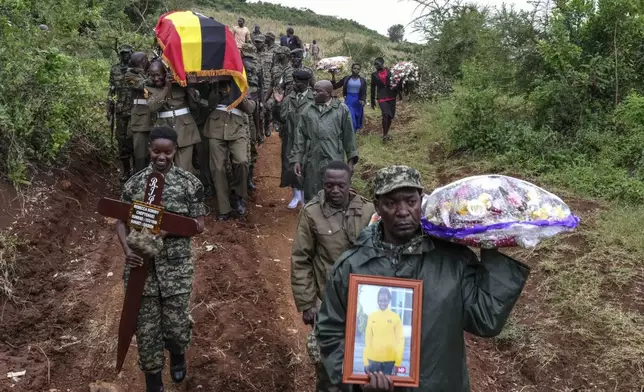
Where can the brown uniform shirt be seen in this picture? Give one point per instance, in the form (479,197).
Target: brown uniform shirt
(322,235)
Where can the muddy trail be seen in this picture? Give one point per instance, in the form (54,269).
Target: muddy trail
(62,326)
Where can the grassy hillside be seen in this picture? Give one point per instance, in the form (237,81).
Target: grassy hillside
(298,18)
(335,38)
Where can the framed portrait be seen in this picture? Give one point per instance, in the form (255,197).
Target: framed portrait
(383,329)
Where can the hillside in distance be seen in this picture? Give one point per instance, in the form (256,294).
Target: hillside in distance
(296,17)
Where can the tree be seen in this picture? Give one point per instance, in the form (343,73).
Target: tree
(396,33)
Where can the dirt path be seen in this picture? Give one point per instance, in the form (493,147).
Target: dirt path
(63,328)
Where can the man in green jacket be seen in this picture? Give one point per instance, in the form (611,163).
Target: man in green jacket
(324,134)
(288,114)
(327,226)
(460,293)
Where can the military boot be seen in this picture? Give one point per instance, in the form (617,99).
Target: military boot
(177,367)
(251,185)
(154,382)
(127,170)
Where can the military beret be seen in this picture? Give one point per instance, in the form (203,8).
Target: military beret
(125,48)
(270,34)
(259,38)
(302,74)
(395,177)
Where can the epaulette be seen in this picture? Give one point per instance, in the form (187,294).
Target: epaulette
(313,201)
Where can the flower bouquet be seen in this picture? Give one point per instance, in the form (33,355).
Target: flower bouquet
(339,63)
(494,211)
(403,72)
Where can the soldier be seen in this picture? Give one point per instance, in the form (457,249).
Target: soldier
(164,318)
(266,55)
(258,41)
(171,103)
(255,85)
(463,292)
(119,109)
(296,62)
(281,79)
(201,155)
(289,110)
(141,120)
(228,134)
(324,134)
(327,226)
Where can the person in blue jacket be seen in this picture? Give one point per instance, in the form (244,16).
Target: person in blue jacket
(354,91)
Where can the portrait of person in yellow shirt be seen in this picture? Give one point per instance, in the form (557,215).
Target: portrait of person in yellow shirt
(384,338)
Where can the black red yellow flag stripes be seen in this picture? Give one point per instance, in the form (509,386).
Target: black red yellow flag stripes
(194,44)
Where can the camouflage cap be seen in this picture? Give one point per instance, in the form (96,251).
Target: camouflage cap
(394,177)
(259,38)
(248,48)
(125,48)
(284,50)
(271,35)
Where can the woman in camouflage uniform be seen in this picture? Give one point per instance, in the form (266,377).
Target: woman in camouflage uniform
(164,318)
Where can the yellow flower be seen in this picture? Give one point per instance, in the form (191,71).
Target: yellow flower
(462,208)
(476,208)
(541,213)
(486,199)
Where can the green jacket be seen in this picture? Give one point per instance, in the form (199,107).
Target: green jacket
(172,273)
(324,133)
(460,293)
(289,110)
(322,235)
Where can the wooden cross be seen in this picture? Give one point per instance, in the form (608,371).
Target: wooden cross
(148,214)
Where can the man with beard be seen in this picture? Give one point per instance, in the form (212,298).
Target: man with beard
(324,134)
(327,226)
(460,292)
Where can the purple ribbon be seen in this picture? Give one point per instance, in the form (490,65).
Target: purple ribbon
(447,232)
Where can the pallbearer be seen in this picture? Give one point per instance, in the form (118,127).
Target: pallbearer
(171,103)
(164,320)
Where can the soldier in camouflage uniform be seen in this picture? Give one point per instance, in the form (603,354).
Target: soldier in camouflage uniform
(281,81)
(141,121)
(164,318)
(266,55)
(120,105)
(255,87)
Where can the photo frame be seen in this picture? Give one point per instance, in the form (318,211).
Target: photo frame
(383,329)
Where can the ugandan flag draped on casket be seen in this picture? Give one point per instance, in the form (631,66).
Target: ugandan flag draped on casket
(194,44)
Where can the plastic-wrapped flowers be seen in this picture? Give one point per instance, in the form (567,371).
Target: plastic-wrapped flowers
(403,72)
(493,211)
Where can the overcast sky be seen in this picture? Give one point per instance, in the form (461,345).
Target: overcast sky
(376,14)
